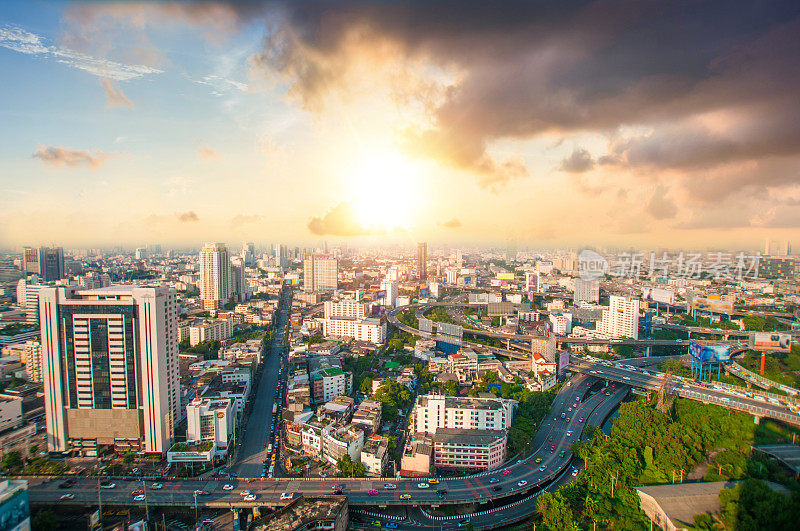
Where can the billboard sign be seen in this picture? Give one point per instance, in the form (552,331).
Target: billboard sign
(771,340)
(659,295)
(709,353)
(563,361)
(380,294)
(712,304)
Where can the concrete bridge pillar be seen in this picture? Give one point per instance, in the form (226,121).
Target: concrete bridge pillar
(647,351)
(756,419)
(689,334)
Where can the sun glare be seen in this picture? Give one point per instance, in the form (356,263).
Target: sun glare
(385,186)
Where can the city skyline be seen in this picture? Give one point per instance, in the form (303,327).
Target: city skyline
(603,123)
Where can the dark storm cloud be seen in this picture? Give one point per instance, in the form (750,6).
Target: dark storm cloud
(578,162)
(536,67)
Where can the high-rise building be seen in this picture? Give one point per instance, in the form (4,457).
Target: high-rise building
(140,253)
(238,285)
(47,262)
(587,290)
(621,319)
(422,260)
(390,287)
(249,254)
(28,297)
(320,273)
(110,367)
(215,276)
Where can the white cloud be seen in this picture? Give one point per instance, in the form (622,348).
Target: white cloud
(22,41)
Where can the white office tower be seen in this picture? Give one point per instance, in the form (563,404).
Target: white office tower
(390,287)
(587,290)
(320,273)
(621,319)
(215,276)
(28,297)
(110,368)
(238,285)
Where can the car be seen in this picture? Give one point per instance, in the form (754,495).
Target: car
(422,486)
(390,525)
(538,460)
(245,493)
(250,497)
(107,485)
(140,497)
(574,472)
(626,378)
(522,483)
(561,453)
(233,475)
(376,523)
(497,488)
(135,470)
(157,486)
(506,472)
(542,468)
(405,496)
(137,492)
(494,480)
(227,486)
(580,419)
(569,433)
(433,481)
(338,486)
(287,495)
(553,448)
(67,496)
(201,493)
(563,415)
(463,521)
(390,486)
(569,409)
(372,492)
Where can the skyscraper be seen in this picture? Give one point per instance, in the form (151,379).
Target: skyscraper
(47,262)
(238,286)
(215,276)
(422,260)
(110,367)
(320,273)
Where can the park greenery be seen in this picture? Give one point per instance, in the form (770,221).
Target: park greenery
(349,468)
(781,367)
(207,349)
(393,397)
(647,446)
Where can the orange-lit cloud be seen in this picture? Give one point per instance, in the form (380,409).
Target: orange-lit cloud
(114,95)
(65,157)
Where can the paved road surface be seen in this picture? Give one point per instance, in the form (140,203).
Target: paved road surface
(250,456)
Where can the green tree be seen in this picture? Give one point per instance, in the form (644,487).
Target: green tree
(12,461)
(366,385)
(128,458)
(451,388)
(556,513)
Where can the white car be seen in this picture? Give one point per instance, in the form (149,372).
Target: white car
(227,486)
(625,378)
(67,496)
(522,483)
(156,486)
(245,493)
(569,433)
(250,497)
(108,486)
(287,495)
(140,497)
(574,472)
(422,486)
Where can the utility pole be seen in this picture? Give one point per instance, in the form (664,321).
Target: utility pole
(100,502)
(146,508)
